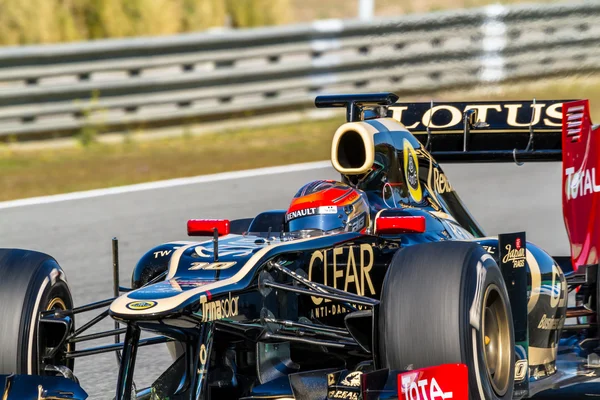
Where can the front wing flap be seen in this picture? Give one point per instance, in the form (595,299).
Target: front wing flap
(19,387)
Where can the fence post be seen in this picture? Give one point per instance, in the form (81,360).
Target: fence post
(366,9)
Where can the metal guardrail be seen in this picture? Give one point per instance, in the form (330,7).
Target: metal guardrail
(114,84)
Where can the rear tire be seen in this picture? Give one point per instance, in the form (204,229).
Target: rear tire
(443,303)
(31,282)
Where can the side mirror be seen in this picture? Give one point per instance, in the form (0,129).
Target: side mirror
(399,224)
(206,227)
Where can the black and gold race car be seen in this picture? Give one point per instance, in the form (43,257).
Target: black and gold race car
(379,286)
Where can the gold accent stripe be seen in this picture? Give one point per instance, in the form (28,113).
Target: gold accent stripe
(536,281)
(174,260)
(119,305)
(392,125)
(541,355)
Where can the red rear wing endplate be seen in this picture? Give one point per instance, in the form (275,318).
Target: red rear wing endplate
(580,187)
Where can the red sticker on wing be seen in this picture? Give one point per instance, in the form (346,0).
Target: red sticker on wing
(449,381)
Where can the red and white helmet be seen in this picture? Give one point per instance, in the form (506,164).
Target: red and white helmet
(328,206)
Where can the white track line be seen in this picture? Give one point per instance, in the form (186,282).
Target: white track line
(165,184)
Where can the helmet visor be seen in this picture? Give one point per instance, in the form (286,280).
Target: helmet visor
(324,222)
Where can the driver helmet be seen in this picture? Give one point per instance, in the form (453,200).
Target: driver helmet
(328,206)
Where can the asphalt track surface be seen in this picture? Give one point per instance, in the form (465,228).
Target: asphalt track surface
(78,232)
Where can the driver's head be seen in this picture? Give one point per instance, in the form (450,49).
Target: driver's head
(328,206)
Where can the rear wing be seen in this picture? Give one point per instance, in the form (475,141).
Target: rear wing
(485,131)
(507,131)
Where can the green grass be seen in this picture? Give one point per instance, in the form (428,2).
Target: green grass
(34,173)
(308,10)
(50,21)
(43,172)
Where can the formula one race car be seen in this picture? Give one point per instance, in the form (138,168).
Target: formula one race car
(380,286)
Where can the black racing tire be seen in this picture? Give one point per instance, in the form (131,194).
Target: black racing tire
(30,282)
(437,300)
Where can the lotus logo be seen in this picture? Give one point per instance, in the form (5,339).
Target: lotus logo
(411,171)
(141,305)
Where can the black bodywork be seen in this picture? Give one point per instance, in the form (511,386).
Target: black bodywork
(261,314)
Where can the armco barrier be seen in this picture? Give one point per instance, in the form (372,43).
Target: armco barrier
(45,90)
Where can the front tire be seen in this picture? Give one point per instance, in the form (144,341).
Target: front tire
(446,302)
(30,282)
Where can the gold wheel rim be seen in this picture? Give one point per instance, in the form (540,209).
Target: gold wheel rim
(495,336)
(56,304)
